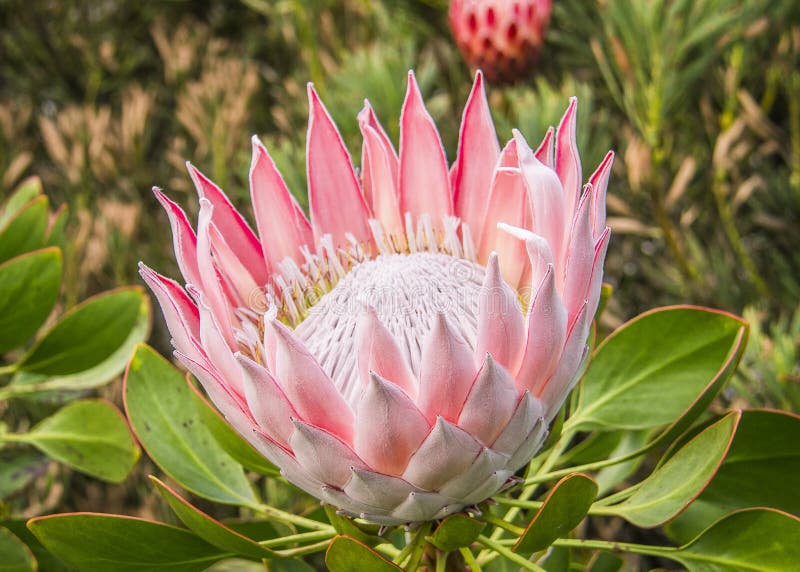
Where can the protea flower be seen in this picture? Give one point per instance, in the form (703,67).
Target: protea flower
(500,36)
(400,354)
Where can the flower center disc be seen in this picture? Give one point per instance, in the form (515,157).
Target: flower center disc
(407,292)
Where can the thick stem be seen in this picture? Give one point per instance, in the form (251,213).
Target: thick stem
(508,554)
(289,518)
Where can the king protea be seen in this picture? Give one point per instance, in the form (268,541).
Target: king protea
(399,353)
(502,37)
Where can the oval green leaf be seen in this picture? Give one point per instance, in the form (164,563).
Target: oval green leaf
(25,192)
(564,508)
(209,529)
(87,335)
(25,231)
(754,539)
(230,440)
(674,485)
(30,285)
(90,436)
(346,554)
(669,356)
(33,385)
(761,469)
(14,555)
(163,414)
(456,531)
(111,543)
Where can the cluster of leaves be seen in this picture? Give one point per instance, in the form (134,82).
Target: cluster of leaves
(721,486)
(54,359)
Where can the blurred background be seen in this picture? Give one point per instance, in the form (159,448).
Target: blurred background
(699,99)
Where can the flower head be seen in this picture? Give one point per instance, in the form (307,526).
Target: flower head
(400,354)
(501,37)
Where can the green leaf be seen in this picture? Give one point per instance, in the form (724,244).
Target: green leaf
(30,285)
(346,554)
(229,439)
(25,192)
(57,227)
(18,468)
(610,477)
(112,543)
(47,562)
(761,469)
(87,335)
(606,562)
(25,231)
(677,357)
(16,557)
(456,531)
(210,530)
(564,508)
(750,539)
(163,414)
(25,384)
(675,484)
(90,436)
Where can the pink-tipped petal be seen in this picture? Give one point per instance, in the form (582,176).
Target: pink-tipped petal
(376,489)
(335,200)
(446,373)
(547,197)
(210,281)
(555,391)
(282,226)
(389,427)
(580,255)
(267,402)
(547,330)
(490,404)
(424,178)
(509,203)
(508,156)
(233,270)
(180,313)
(501,328)
(545,151)
(526,416)
(446,452)
(596,281)
(379,182)
(217,350)
(378,352)
(308,388)
(184,239)
(232,225)
(478,152)
(599,182)
(367,118)
(323,455)
(568,161)
(539,254)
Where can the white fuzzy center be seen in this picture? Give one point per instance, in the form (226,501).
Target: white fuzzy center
(407,292)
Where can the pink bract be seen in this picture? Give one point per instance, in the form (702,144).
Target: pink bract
(400,355)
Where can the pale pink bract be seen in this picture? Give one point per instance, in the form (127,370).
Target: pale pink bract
(400,355)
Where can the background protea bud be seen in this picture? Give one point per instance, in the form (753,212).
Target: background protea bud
(400,354)
(501,37)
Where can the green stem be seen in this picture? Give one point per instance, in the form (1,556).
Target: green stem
(308,549)
(507,554)
(289,518)
(418,547)
(596,510)
(388,549)
(299,538)
(615,546)
(499,522)
(618,496)
(441,561)
(469,558)
(8,369)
